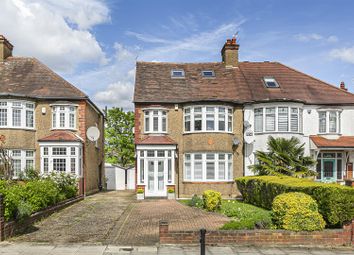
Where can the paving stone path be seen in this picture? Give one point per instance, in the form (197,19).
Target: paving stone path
(140,223)
(88,221)
(117,218)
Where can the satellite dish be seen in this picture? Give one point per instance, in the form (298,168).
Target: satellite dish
(247,124)
(93,133)
(235,141)
(248,137)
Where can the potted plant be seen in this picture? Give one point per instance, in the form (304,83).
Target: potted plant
(140,194)
(171,193)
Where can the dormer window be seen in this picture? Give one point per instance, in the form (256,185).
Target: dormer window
(208,73)
(177,73)
(270,82)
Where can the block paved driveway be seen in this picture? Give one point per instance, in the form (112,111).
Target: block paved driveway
(116,218)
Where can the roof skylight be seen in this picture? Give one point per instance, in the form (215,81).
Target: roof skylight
(270,82)
(208,73)
(177,73)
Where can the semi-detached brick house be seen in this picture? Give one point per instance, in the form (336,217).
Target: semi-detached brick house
(44,119)
(197,125)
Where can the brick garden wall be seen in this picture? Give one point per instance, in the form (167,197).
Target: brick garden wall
(328,237)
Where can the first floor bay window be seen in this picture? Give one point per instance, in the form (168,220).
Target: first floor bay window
(208,119)
(278,119)
(61,158)
(16,114)
(208,167)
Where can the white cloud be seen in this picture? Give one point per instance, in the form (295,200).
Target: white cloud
(344,54)
(56,32)
(117,94)
(315,37)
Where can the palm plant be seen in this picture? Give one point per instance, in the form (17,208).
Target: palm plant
(284,157)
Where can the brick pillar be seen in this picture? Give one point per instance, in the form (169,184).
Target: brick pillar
(2,218)
(163,228)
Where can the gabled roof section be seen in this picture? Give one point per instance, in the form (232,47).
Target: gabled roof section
(29,77)
(242,84)
(61,136)
(156,140)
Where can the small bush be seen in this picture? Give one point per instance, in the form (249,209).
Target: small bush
(14,195)
(171,190)
(140,191)
(65,183)
(245,216)
(29,174)
(296,211)
(335,202)
(212,200)
(196,201)
(24,210)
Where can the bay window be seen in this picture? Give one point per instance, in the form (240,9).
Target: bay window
(208,167)
(64,117)
(277,119)
(21,160)
(329,121)
(155,121)
(61,158)
(16,114)
(208,119)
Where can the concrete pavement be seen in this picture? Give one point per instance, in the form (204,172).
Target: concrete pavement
(9,248)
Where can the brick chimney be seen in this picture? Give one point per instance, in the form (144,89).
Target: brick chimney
(5,48)
(229,53)
(342,86)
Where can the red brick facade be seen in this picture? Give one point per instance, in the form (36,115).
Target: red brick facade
(328,237)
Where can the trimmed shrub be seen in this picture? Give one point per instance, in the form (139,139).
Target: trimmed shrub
(296,211)
(65,183)
(196,202)
(335,202)
(212,200)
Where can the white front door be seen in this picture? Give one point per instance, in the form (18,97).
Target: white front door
(156,185)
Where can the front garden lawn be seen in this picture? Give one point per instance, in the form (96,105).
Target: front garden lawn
(242,215)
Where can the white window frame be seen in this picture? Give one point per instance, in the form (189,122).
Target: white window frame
(10,105)
(66,110)
(328,112)
(228,118)
(162,114)
(22,157)
(68,156)
(228,164)
(290,129)
(143,157)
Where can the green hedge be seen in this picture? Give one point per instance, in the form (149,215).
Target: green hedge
(24,198)
(335,202)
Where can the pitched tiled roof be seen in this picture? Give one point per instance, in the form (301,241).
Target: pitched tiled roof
(341,142)
(239,85)
(61,136)
(156,139)
(28,77)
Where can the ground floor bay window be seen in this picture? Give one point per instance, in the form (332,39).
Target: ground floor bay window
(208,167)
(61,158)
(155,168)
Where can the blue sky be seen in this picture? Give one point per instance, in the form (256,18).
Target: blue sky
(94,44)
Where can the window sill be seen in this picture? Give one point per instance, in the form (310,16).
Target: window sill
(278,132)
(18,128)
(155,133)
(208,132)
(208,182)
(63,129)
(329,133)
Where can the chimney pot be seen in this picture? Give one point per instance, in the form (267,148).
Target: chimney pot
(229,53)
(342,86)
(5,48)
